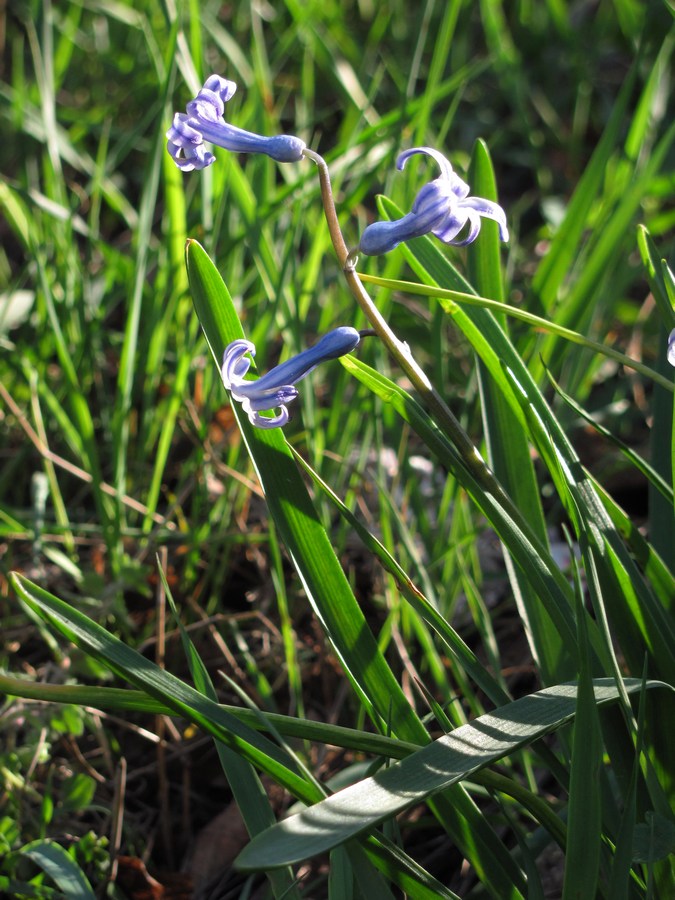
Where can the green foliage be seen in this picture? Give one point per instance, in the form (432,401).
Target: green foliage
(384,576)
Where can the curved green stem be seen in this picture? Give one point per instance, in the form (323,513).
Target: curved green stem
(444,416)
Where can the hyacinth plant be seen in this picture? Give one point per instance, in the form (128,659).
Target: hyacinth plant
(501,771)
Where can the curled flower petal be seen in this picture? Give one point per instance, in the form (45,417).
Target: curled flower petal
(204,121)
(489,210)
(443,163)
(671,348)
(276,389)
(442,207)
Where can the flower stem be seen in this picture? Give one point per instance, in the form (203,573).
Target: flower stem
(445,418)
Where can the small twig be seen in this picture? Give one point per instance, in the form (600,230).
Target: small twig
(160,658)
(118,818)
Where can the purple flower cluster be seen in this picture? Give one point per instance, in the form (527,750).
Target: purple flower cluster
(276,389)
(204,121)
(443,208)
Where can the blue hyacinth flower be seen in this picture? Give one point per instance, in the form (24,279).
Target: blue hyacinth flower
(276,389)
(442,208)
(204,122)
(671,348)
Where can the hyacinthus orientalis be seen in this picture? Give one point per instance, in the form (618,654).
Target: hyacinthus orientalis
(443,208)
(204,121)
(276,389)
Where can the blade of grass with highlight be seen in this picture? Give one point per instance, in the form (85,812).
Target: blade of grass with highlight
(662,284)
(650,473)
(508,447)
(446,761)
(127,373)
(626,607)
(509,525)
(584,823)
(452,300)
(185,701)
(554,267)
(299,527)
(459,650)
(583,296)
(126,700)
(639,621)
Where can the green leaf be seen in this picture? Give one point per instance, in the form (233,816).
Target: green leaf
(452,300)
(516,535)
(77,792)
(654,839)
(245,784)
(328,589)
(446,761)
(637,618)
(584,823)
(125,700)
(456,646)
(507,440)
(640,464)
(300,528)
(182,699)
(554,267)
(61,868)
(662,284)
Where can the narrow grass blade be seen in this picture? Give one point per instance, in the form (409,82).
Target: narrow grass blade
(662,284)
(657,573)
(583,295)
(650,473)
(463,655)
(451,300)
(507,441)
(300,528)
(584,823)
(660,278)
(127,373)
(415,881)
(564,247)
(126,700)
(514,532)
(639,622)
(639,609)
(244,781)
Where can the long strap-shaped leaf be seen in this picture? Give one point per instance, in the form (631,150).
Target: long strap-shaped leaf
(329,592)
(507,444)
(517,536)
(452,757)
(300,528)
(178,696)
